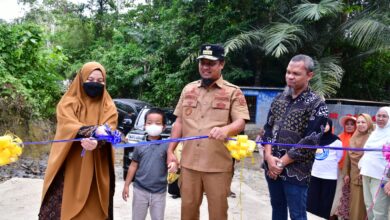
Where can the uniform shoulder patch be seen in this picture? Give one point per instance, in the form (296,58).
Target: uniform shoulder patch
(241,98)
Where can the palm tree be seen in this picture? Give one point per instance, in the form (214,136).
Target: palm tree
(309,29)
(369,26)
(328,76)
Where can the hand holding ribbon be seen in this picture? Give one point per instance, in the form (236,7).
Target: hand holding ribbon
(105,133)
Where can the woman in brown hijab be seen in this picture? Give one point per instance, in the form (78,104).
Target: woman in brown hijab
(77,187)
(351,171)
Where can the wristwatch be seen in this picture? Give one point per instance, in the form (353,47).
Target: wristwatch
(280,164)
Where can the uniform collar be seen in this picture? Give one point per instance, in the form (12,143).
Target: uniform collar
(218,82)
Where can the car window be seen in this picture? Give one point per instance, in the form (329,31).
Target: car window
(128,109)
(139,124)
(170,117)
(124,107)
(119,105)
(141,106)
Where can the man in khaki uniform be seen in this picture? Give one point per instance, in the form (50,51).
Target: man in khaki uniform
(214,107)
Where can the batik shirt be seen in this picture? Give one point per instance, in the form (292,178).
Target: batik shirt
(296,121)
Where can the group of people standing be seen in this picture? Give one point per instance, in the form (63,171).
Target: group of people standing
(355,190)
(345,184)
(82,187)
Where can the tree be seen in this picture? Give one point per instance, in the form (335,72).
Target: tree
(29,71)
(311,29)
(170,31)
(149,49)
(367,60)
(368,25)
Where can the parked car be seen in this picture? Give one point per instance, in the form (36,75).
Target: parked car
(128,110)
(138,134)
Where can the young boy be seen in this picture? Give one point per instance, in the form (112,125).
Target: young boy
(150,170)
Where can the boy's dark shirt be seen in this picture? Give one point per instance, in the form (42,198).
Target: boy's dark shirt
(151,174)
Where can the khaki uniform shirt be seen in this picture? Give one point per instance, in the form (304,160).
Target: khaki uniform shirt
(202,109)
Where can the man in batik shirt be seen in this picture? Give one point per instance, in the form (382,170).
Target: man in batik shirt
(297,116)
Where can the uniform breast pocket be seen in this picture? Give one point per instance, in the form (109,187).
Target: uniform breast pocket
(221,110)
(189,108)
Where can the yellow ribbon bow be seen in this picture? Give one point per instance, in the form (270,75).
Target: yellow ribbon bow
(241,147)
(10,148)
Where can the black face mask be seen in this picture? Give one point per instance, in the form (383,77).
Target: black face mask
(206,82)
(93,89)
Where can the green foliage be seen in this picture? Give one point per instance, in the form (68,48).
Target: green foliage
(304,28)
(314,11)
(284,38)
(29,73)
(327,77)
(238,75)
(124,63)
(149,50)
(368,26)
(253,38)
(370,79)
(167,33)
(14,95)
(368,32)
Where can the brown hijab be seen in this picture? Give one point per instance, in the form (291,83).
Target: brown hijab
(358,138)
(89,176)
